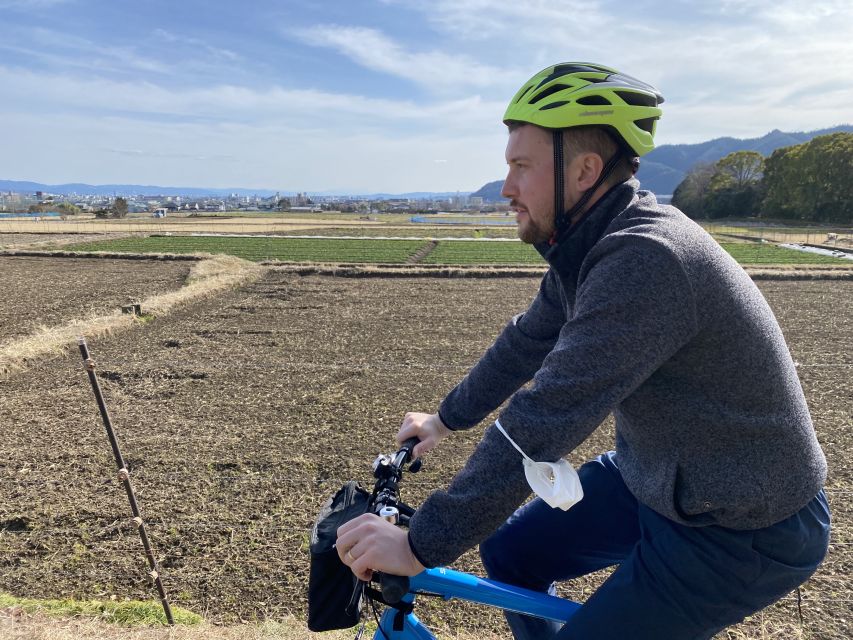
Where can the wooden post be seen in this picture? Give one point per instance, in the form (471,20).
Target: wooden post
(124,476)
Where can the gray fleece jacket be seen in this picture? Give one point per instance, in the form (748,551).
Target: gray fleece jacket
(643,315)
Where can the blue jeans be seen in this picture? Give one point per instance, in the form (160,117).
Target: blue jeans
(673,581)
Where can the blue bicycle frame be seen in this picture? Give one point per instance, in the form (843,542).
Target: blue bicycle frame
(449,584)
(444,582)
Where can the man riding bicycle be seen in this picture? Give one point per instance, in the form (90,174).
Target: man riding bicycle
(711,505)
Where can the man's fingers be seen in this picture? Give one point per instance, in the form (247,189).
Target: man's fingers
(406,431)
(348,533)
(422,448)
(361,566)
(349,554)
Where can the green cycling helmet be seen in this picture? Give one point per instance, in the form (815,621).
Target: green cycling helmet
(574,94)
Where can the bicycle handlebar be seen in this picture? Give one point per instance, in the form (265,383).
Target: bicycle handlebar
(393,587)
(388,471)
(404,453)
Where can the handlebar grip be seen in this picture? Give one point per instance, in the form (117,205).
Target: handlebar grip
(393,587)
(410,446)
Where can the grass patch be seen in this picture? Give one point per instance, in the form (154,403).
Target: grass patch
(473,252)
(125,613)
(763,253)
(419,231)
(759,229)
(257,249)
(379,251)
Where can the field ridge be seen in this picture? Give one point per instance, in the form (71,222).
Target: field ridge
(208,276)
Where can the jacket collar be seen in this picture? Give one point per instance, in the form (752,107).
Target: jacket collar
(568,253)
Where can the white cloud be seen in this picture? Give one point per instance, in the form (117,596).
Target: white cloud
(236,136)
(63,50)
(237,103)
(265,155)
(562,22)
(739,67)
(196,43)
(435,70)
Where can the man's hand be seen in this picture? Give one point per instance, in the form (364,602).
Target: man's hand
(369,543)
(426,427)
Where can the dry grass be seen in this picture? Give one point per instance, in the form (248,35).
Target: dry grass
(838,272)
(764,272)
(345,270)
(48,241)
(15,624)
(207,277)
(176,225)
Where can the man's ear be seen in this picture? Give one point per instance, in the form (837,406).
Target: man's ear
(590,167)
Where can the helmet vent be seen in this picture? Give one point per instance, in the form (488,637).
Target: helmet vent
(566,69)
(646,124)
(637,99)
(554,105)
(547,92)
(524,93)
(593,100)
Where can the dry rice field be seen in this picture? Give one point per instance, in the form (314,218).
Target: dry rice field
(239,414)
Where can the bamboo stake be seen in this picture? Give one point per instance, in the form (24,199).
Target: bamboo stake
(124,476)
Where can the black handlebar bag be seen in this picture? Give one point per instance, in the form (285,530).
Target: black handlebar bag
(333,589)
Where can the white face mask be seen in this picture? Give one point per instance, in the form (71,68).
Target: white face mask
(557,483)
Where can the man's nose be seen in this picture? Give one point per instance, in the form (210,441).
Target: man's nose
(508,189)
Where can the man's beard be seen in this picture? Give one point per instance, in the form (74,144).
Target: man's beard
(531,233)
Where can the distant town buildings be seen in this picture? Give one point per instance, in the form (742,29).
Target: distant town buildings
(301,202)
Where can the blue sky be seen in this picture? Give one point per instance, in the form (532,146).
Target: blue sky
(380,95)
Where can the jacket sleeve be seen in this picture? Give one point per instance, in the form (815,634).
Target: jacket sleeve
(510,362)
(634,309)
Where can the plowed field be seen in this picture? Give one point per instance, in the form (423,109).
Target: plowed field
(239,415)
(48,292)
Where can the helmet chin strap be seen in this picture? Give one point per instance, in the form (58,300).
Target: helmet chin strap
(563,218)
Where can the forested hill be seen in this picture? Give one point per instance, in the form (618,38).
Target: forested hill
(665,167)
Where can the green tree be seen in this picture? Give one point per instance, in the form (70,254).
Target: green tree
(730,187)
(691,194)
(119,209)
(68,209)
(811,181)
(739,170)
(735,189)
(830,162)
(781,184)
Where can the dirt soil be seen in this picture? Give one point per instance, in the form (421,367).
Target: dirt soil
(47,240)
(46,291)
(238,416)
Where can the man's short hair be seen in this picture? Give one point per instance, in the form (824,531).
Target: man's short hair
(593,139)
(598,140)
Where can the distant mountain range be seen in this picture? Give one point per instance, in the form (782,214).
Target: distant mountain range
(663,169)
(192,192)
(660,171)
(126,190)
